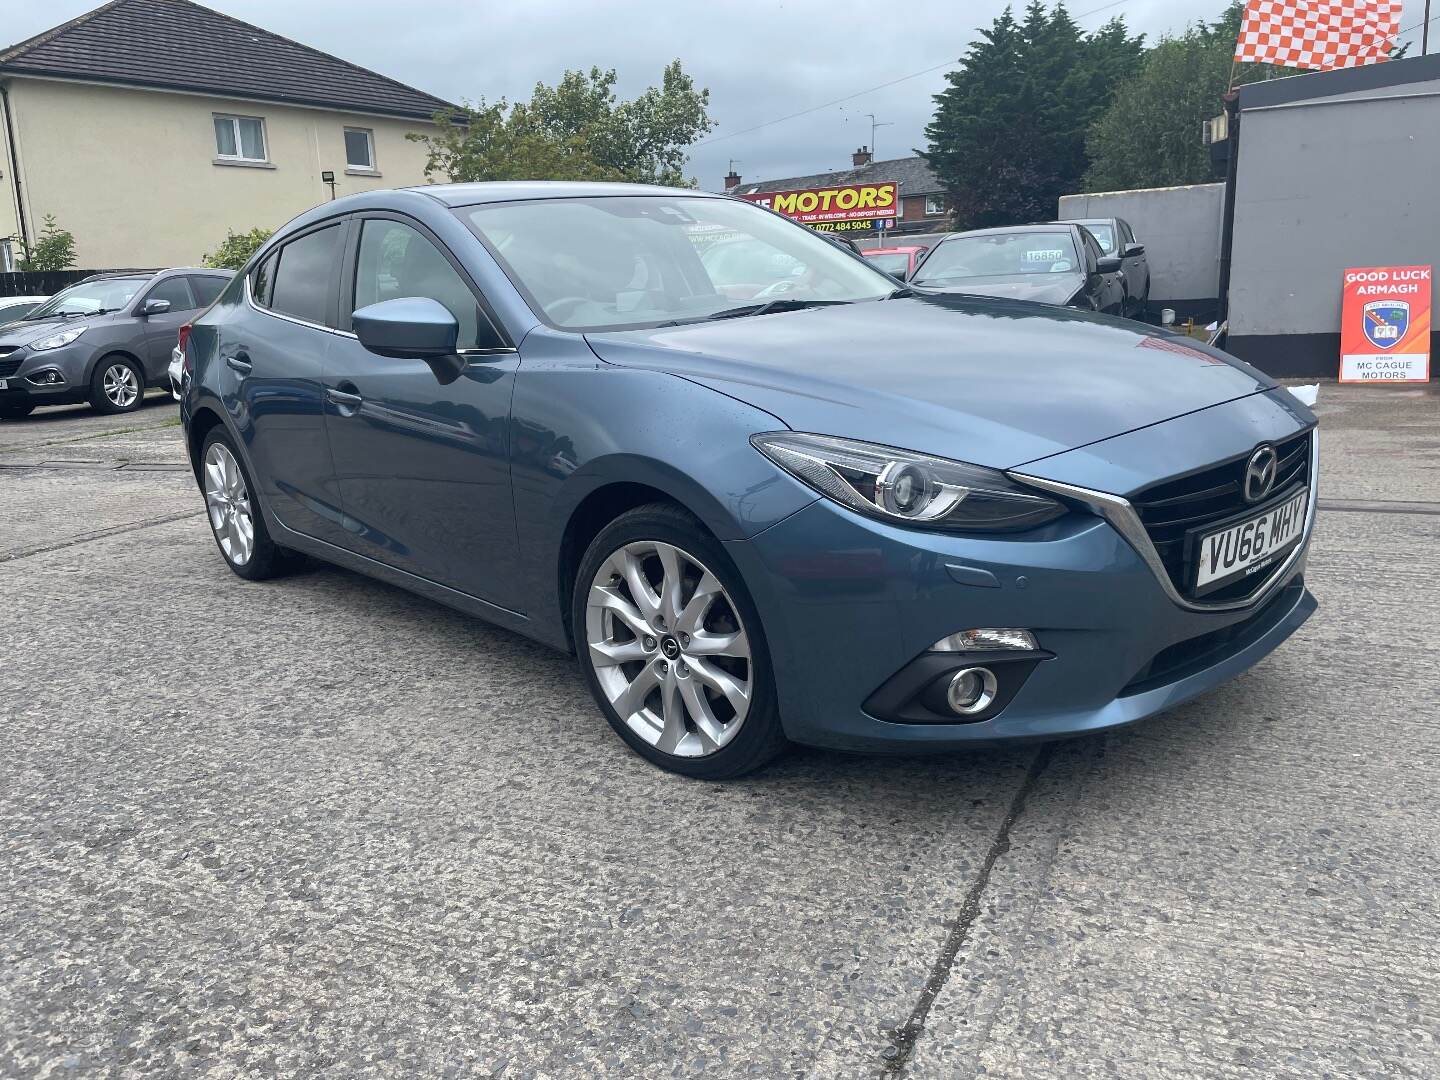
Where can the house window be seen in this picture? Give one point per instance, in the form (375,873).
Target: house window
(240,138)
(360,149)
(934,204)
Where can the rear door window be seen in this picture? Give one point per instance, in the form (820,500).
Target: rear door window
(304,278)
(206,289)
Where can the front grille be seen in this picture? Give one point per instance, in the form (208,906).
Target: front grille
(8,367)
(1172,509)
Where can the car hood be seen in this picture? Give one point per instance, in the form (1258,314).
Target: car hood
(1042,288)
(994,382)
(23,333)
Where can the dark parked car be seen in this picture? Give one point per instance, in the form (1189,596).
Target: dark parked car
(104,340)
(1115,237)
(1057,264)
(836,513)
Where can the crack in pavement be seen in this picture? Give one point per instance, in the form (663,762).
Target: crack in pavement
(897,1055)
(99,534)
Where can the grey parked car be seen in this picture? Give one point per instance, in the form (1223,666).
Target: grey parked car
(1117,239)
(103,340)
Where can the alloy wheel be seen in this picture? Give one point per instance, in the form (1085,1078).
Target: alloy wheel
(228,502)
(121,385)
(669,649)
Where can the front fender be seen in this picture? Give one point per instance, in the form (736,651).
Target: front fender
(579,424)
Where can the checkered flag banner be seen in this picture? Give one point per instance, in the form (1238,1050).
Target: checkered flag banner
(1317,34)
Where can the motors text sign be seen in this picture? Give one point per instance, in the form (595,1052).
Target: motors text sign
(849,202)
(1385,324)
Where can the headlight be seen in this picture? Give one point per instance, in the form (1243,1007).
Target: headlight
(909,488)
(56,341)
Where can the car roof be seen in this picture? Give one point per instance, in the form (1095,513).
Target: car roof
(5,301)
(904,249)
(1032,227)
(208,271)
(517,190)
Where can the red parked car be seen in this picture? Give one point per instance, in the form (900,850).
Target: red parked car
(898,262)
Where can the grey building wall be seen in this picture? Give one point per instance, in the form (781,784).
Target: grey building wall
(1326,183)
(1180,228)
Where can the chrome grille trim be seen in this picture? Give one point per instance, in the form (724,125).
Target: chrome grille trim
(1123,518)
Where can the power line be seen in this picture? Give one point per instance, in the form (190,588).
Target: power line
(872,89)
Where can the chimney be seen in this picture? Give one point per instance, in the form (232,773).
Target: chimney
(732,178)
(860,157)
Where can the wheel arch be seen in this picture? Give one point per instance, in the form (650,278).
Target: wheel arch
(102,356)
(597,509)
(202,421)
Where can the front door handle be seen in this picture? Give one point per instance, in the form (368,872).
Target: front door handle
(239,362)
(347,403)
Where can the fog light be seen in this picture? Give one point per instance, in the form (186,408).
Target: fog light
(971,690)
(47,377)
(988,638)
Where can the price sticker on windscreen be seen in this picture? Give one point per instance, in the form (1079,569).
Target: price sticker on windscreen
(1385,324)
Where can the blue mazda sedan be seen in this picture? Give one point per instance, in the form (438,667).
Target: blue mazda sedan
(762,493)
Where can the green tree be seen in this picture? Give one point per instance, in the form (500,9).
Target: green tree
(1008,135)
(577,129)
(1150,136)
(235,250)
(54,250)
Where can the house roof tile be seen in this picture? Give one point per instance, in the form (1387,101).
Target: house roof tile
(180,45)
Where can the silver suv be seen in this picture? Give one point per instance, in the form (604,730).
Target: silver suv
(103,340)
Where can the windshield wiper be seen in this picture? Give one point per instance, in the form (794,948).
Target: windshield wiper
(901,293)
(779,304)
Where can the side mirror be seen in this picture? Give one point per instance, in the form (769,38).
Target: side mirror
(1131,250)
(1109,264)
(412,328)
(155,307)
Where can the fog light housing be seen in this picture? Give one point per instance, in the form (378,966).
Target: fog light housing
(988,638)
(46,377)
(971,690)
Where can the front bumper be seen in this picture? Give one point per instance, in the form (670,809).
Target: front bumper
(847,603)
(70,363)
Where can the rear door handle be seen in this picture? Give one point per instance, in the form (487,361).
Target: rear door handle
(239,362)
(344,400)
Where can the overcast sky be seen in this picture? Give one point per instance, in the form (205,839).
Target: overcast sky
(760,61)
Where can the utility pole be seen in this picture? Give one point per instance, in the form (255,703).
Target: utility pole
(1425,32)
(877,124)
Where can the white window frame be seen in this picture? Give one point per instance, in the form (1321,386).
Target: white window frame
(239,155)
(373,169)
(934,205)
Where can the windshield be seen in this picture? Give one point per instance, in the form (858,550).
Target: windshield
(1104,236)
(637,260)
(88,297)
(999,255)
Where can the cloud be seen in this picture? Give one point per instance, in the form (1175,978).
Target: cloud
(760,61)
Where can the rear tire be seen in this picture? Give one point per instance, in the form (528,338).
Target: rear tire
(234,514)
(117,385)
(665,629)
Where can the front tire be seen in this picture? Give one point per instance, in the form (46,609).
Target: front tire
(117,386)
(672,648)
(234,515)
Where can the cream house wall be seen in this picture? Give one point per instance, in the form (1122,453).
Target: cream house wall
(132,172)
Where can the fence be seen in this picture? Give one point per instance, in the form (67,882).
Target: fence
(45,282)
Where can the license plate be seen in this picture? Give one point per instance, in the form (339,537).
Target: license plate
(1240,550)
(4,384)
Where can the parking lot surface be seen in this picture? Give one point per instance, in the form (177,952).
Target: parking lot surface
(321,827)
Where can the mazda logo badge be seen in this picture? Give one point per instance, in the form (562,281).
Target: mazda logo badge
(670,647)
(1260,474)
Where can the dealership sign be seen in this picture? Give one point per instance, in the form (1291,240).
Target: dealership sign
(1385,324)
(828,207)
